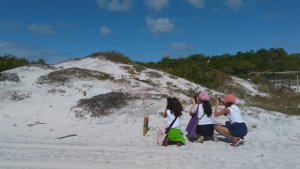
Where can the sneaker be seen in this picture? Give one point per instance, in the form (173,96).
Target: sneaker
(215,138)
(199,139)
(242,141)
(236,142)
(190,138)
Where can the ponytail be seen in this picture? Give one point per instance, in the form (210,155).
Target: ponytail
(207,108)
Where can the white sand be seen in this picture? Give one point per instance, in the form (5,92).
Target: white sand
(116,141)
(249,87)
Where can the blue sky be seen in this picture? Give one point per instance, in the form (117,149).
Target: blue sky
(146,30)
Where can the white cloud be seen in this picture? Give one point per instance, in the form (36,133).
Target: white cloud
(10,26)
(157,4)
(7,47)
(197,3)
(43,29)
(104,30)
(234,4)
(160,25)
(14,25)
(268,16)
(115,5)
(180,46)
(29,52)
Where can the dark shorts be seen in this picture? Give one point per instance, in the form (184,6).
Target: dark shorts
(238,129)
(205,130)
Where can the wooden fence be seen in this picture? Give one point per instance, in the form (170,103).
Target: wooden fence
(287,80)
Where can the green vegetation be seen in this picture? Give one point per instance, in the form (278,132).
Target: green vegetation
(195,68)
(9,62)
(280,100)
(112,56)
(272,60)
(214,71)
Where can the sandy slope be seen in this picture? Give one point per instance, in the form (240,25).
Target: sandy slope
(116,141)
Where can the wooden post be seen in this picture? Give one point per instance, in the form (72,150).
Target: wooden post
(290,82)
(297,83)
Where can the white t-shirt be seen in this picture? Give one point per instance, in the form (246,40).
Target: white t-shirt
(170,118)
(235,114)
(205,119)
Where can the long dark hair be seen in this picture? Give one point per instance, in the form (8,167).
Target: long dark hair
(207,108)
(174,106)
(228,104)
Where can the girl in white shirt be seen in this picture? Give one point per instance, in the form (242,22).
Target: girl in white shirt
(205,127)
(173,110)
(236,129)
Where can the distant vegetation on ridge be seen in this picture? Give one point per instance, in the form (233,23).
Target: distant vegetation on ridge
(213,72)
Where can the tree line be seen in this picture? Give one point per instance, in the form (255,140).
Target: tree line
(10,61)
(210,71)
(213,71)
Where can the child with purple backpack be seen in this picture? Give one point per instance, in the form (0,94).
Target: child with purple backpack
(201,125)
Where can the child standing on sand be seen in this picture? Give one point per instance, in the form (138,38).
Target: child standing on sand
(236,129)
(173,112)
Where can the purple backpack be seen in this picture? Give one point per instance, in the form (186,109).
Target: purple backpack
(192,125)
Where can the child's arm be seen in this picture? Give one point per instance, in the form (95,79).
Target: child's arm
(193,100)
(217,112)
(164,114)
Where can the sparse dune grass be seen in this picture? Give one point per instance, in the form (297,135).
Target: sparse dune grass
(42,66)
(138,68)
(104,104)
(135,69)
(280,100)
(153,74)
(64,76)
(129,69)
(112,56)
(9,77)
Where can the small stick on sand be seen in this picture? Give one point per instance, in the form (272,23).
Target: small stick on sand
(36,123)
(70,135)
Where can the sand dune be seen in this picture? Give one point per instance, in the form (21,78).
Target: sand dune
(30,127)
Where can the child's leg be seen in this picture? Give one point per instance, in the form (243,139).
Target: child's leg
(224,131)
(166,142)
